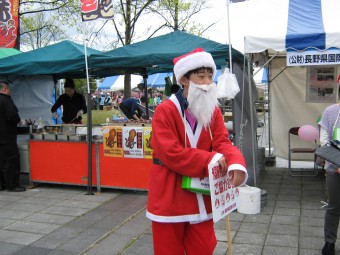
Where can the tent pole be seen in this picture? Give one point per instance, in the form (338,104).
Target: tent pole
(230,55)
(55,96)
(251,106)
(269,117)
(89,127)
(145,81)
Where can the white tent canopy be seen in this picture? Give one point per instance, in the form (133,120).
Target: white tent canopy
(115,83)
(282,26)
(303,19)
(119,83)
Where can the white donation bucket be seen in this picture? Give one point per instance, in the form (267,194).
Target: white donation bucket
(249,200)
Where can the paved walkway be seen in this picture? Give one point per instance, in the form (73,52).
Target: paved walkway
(63,220)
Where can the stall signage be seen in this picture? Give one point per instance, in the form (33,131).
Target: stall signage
(147,131)
(9,23)
(313,57)
(224,197)
(133,142)
(321,84)
(113,141)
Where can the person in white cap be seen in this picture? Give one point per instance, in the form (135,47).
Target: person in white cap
(188,133)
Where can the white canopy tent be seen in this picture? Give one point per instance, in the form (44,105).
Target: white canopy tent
(293,25)
(115,83)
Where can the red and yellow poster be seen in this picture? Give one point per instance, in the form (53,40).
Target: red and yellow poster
(133,142)
(9,12)
(147,142)
(113,141)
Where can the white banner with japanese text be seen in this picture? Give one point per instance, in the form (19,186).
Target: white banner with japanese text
(9,23)
(313,57)
(224,197)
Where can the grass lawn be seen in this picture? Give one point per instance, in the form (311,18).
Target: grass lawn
(99,117)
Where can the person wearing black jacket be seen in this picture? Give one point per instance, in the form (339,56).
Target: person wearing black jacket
(74,104)
(9,152)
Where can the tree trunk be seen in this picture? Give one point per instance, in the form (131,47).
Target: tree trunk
(127,78)
(127,86)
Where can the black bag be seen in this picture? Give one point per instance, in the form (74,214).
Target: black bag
(330,152)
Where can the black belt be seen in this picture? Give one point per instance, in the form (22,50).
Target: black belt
(156,161)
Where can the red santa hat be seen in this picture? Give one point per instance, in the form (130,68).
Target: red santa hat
(196,59)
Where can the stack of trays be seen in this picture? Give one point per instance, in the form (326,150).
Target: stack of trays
(37,136)
(50,136)
(62,137)
(77,137)
(68,129)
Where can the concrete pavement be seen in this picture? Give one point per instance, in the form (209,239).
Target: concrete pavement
(63,220)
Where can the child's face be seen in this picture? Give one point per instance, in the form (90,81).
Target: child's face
(202,77)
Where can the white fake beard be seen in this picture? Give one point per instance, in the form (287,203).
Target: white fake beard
(202,101)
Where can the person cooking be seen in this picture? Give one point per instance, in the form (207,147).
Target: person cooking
(74,104)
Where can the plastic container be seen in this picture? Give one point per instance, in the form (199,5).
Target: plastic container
(249,200)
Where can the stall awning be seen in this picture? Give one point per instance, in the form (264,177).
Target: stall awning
(293,24)
(107,83)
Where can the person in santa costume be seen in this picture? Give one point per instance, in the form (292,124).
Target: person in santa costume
(188,133)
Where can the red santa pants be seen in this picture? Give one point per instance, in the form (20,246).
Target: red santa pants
(177,238)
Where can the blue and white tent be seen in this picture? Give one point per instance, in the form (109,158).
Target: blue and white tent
(157,80)
(293,24)
(115,83)
(278,28)
(108,82)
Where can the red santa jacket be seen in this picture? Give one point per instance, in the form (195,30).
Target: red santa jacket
(167,201)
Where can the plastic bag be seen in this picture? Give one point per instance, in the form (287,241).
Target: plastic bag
(227,85)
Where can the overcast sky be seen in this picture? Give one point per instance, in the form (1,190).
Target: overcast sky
(217,13)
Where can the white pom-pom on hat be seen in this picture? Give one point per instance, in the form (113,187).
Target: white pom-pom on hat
(196,59)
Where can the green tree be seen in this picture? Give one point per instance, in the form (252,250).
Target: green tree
(179,15)
(38,30)
(39,22)
(81,85)
(126,17)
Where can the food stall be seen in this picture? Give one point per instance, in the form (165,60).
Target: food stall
(70,60)
(121,155)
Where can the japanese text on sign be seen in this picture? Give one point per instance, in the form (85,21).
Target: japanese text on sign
(224,197)
(308,58)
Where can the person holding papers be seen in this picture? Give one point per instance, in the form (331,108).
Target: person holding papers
(330,120)
(188,133)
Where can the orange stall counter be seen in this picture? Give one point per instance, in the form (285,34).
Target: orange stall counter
(120,172)
(60,162)
(65,162)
